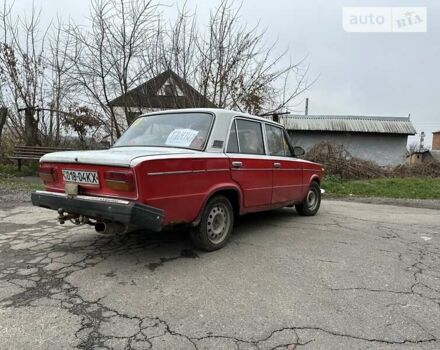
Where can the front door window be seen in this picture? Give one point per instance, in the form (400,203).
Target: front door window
(275,141)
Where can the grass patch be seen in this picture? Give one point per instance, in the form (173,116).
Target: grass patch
(409,188)
(21,184)
(30,169)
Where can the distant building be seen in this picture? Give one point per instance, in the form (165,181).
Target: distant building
(420,156)
(436,141)
(165,91)
(382,140)
(426,155)
(436,155)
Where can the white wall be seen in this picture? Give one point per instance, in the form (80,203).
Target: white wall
(383,149)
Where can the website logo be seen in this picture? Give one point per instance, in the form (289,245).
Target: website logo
(384,19)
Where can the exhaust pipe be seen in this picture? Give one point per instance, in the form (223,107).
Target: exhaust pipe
(110,228)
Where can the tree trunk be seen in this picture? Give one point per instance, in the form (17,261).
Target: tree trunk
(30,127)
(3,117)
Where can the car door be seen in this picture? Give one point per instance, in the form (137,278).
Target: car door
(287,170)
(250,167)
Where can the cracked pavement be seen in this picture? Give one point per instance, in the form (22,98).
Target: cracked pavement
(361,276)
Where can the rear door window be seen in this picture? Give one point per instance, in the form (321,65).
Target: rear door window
(250,137)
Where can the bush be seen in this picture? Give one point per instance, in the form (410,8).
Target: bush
(338,162)
(12,169)
(426,169)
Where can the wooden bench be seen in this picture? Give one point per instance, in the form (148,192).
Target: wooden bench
(21,153)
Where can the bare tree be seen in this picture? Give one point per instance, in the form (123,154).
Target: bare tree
(46,72)
(3,117)
(108,56)
(231,64)
(22,70)
(413,147)
(34,81)
(61,90)
(239,70)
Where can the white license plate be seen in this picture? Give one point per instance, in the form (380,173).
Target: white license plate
(81,177)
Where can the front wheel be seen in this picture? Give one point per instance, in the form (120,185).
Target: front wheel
(215,226)
(312,202)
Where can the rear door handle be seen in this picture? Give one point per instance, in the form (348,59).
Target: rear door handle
(277,165)
(237,164)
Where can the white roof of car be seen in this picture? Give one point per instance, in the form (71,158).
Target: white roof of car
(217,111)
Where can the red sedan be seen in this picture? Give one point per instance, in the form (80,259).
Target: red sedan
(200,167)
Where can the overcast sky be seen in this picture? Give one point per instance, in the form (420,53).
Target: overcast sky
(384,74)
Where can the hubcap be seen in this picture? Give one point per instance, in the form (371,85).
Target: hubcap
(218,223)
(312,199)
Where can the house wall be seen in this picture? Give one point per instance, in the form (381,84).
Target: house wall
(383,149)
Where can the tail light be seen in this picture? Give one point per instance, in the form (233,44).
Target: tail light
(119,180)
(47,173)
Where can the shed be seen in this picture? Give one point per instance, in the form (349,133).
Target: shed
(379,139)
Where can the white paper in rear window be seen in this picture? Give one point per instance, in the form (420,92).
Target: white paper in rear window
(181,137)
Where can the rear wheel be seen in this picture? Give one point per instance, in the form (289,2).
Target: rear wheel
(215,226)
(312,202)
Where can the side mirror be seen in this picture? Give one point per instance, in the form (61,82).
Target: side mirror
(298,151)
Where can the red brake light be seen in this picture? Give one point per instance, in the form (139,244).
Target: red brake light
(119,180)
(47,173)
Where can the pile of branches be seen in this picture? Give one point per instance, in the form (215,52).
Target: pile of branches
(426,169)
(337,161)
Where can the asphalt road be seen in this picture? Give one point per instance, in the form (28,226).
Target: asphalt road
(357,276)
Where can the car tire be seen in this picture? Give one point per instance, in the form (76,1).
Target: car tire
(312,202)
(215,226)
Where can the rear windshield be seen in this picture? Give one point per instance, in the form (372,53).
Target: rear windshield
(182,130)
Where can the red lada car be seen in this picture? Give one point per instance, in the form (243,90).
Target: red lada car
(200,167)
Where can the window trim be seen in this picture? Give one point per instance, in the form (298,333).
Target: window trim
(287,137)
(228,137)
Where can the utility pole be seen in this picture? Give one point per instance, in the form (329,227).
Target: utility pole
(306,112)
(422,140)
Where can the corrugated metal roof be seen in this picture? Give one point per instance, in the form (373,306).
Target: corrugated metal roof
(364,124)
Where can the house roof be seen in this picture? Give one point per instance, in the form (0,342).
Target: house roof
(148,95)
(349,123)
(436,132)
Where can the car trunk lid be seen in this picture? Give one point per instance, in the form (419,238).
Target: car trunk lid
(118,156)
